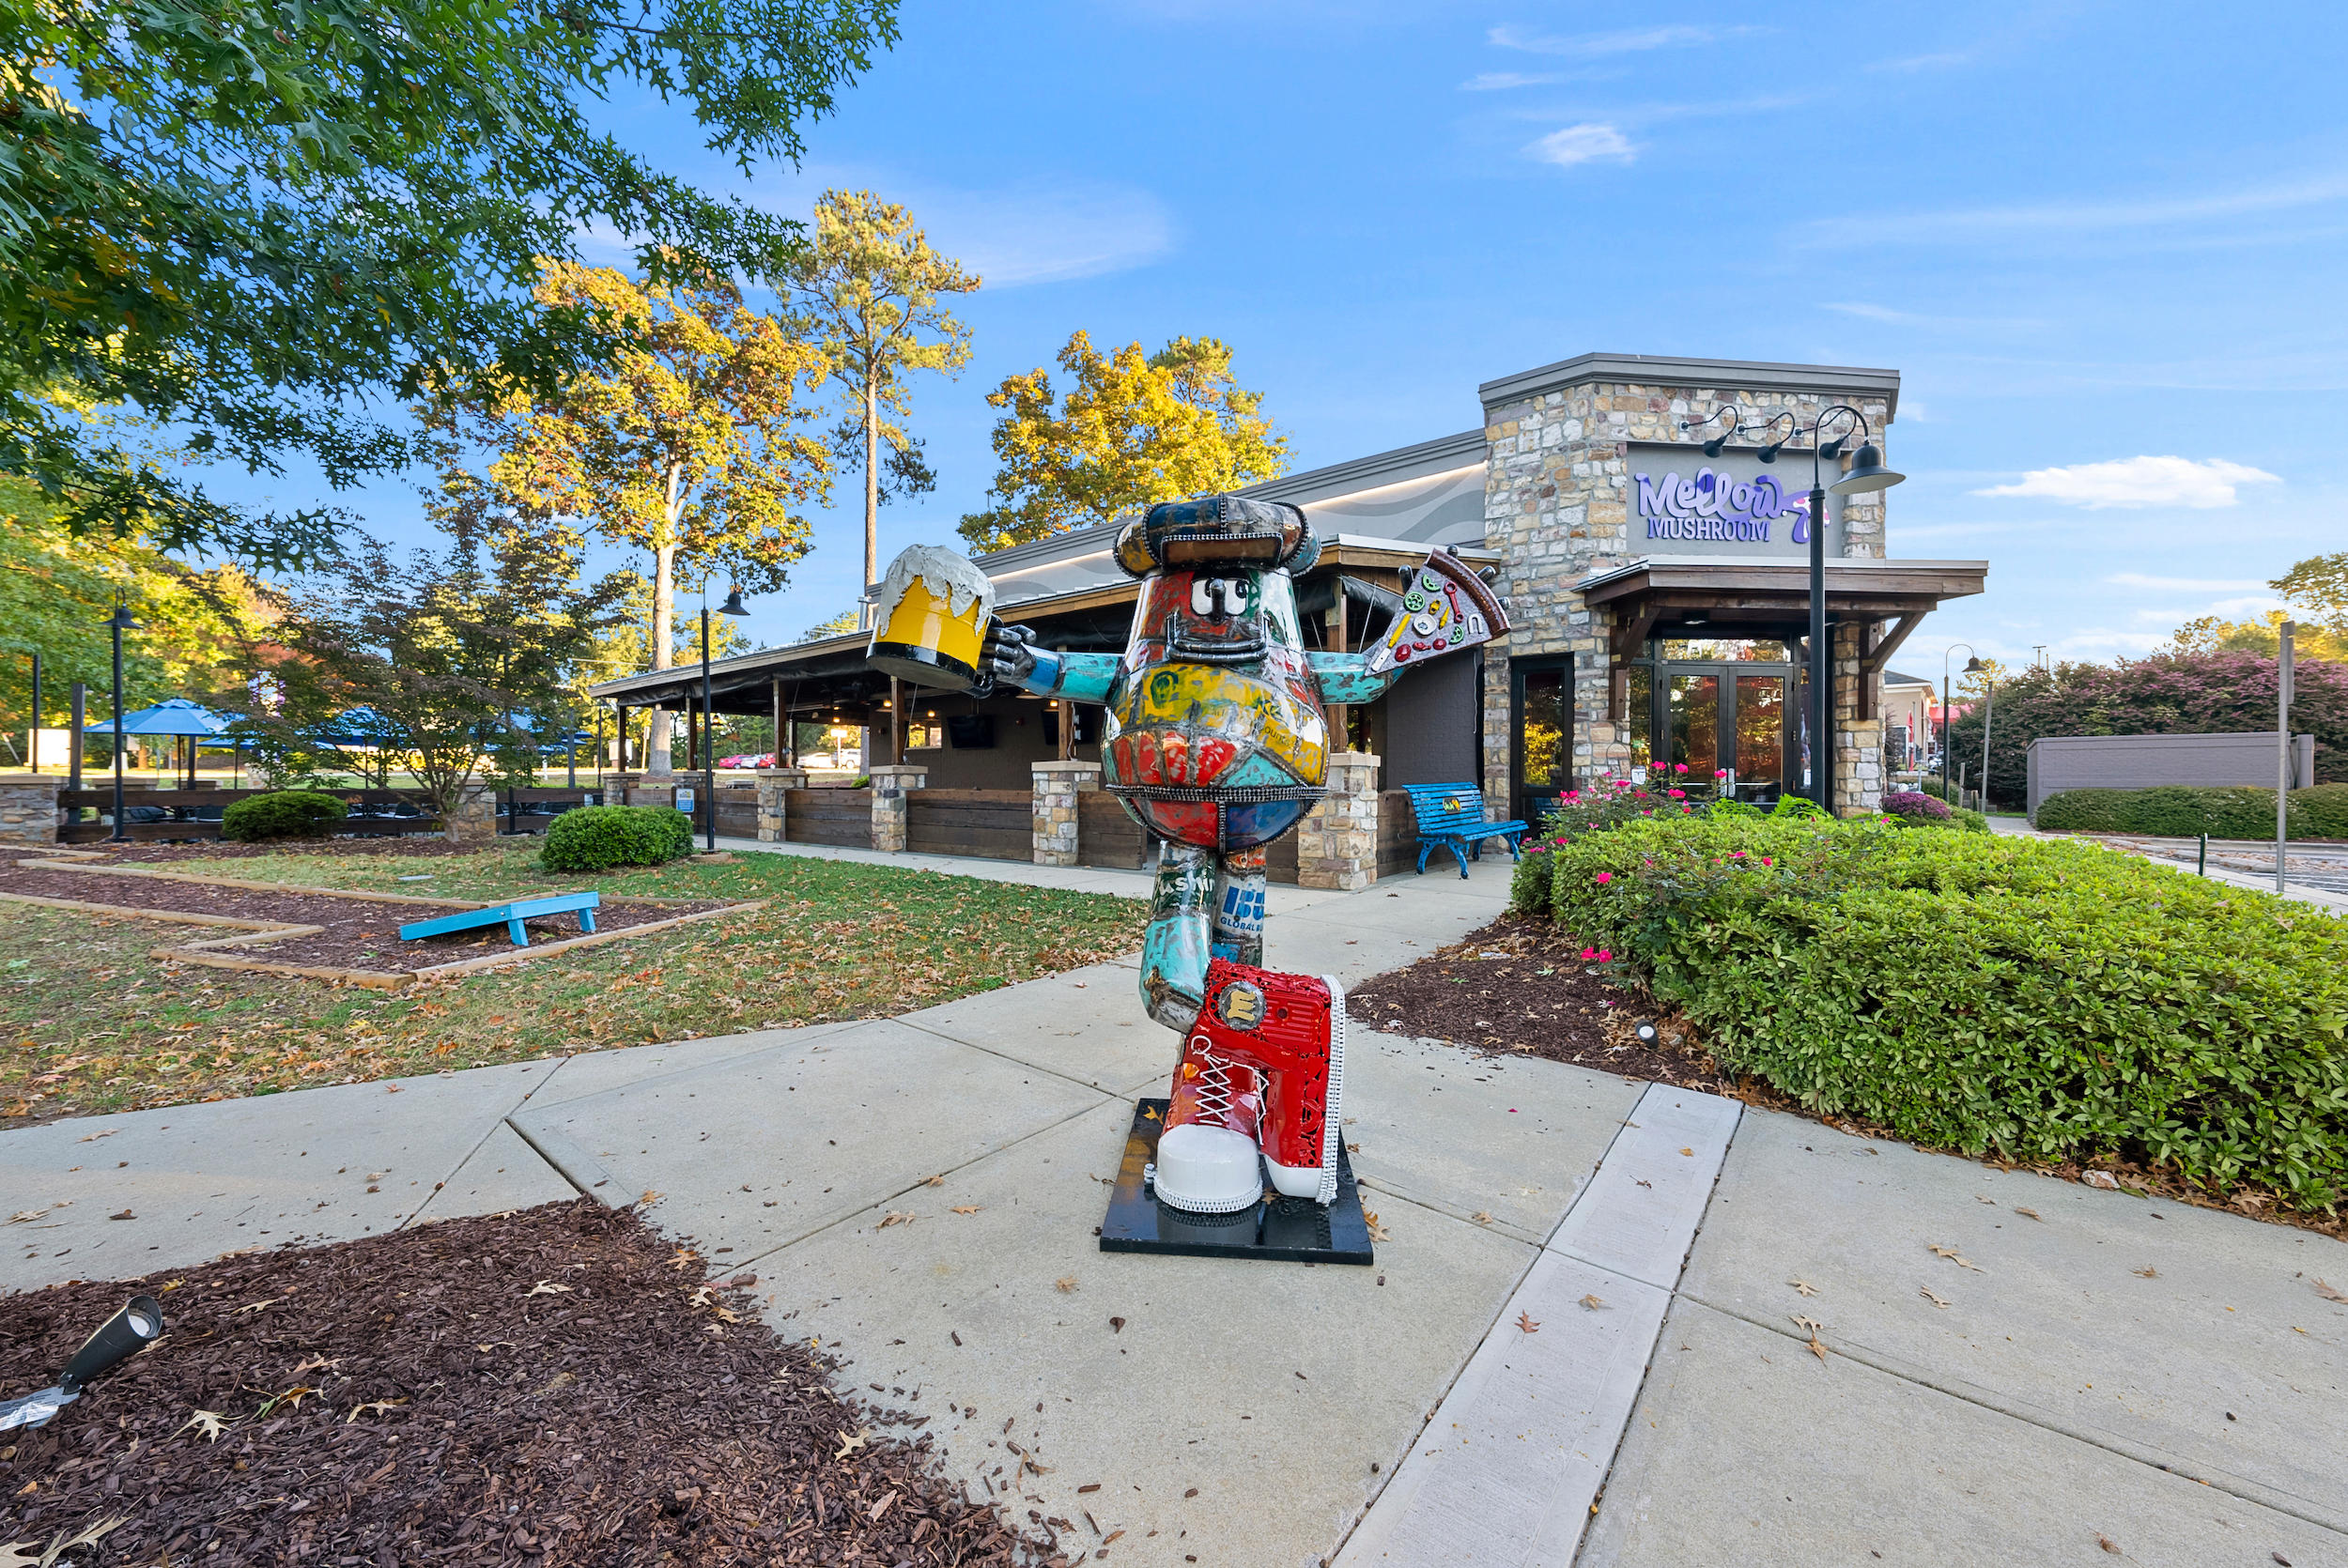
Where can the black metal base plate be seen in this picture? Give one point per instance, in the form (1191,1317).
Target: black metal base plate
(1287,1230)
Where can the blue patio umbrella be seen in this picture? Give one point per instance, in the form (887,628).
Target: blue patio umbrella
(174,715)
(356,729)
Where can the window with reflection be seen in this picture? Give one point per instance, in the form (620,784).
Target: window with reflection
(1695,725)
(1726,649)
(1546,739)
(1639,710)
(1760,735)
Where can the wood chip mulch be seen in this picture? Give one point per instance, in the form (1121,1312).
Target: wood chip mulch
(1522,988)
(359,932)
(551,1387)
(404,846)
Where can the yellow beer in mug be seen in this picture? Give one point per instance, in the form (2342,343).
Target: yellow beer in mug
(932,618)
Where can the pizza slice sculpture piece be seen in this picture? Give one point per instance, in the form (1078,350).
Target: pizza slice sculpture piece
(1446,607)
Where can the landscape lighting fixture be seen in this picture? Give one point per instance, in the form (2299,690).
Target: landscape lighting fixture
(1646,1032)
(129,1331)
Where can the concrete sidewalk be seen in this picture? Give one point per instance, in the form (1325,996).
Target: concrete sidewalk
(1578,1344)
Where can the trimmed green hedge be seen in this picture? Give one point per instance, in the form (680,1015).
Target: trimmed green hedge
(284,814)
(2187,811)
(2043,999)
(597,837)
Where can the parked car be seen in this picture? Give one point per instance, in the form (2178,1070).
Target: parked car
(763,760)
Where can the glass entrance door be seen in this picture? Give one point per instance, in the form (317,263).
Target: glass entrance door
(1724,731)
(1543,742)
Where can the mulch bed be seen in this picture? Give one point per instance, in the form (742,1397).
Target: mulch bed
(229,849)
(360,933)
(553,1387)
(1522,988)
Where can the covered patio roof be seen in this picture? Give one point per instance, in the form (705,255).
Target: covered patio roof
(1662,592)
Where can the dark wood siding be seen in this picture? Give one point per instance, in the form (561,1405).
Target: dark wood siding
(993,824)
(842,817)
(1106,836)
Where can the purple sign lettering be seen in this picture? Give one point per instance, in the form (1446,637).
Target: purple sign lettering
(1715,506)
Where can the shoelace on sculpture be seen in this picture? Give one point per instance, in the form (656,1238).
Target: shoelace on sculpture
(1217,1099)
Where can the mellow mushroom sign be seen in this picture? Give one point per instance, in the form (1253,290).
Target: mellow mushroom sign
(1683,503)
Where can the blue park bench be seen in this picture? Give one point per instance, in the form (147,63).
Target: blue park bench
(511,916)
(1451,817)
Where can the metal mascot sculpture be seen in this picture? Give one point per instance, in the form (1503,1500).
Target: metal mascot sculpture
(1216,744)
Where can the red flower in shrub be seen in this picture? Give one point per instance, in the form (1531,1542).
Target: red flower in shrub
(1605,877)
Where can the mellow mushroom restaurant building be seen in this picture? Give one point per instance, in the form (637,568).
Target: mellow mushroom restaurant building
(1658,597)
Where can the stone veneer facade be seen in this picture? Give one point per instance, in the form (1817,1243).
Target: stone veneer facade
(1557,508)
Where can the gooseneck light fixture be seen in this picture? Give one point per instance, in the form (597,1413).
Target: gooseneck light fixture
(1866,475)
(733,606)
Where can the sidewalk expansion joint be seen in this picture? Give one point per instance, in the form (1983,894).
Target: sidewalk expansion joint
(2255,1493)
(1510,1464)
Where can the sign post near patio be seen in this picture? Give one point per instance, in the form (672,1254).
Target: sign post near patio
(2282,747)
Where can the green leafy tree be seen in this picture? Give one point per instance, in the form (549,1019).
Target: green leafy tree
(693,448)
(1132,430)
(57,592)
(839,625)
(462,656)
(870,288)
(253,220)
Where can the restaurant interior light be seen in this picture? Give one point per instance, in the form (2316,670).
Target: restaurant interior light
(1867,474)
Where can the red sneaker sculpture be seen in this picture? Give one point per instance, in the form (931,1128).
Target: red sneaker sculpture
(1261,1075)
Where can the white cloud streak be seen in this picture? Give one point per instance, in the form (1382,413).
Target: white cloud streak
(2187,585)
(2139,482)
(1630,41)
(1590,142)
(2076,217)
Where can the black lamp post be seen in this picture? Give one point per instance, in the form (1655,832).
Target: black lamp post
(119,622)
(732,606)
(1867,474)
(1972,667)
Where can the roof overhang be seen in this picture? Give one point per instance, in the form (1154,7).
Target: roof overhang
(1749,590)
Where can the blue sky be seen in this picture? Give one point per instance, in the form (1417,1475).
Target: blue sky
(2102,242)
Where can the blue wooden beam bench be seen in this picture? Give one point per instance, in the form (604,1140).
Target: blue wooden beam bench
(1451,816)
(511,916)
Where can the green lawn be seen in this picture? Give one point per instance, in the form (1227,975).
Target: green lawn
(89,1024)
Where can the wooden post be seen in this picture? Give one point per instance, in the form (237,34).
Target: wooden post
(775,691)
(1067,730)
(896,724)
(1339,637)
(693,737)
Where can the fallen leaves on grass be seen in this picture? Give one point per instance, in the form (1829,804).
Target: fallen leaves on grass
(1526,1324)
(1954,1256)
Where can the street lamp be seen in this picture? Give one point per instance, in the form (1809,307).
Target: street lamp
(1972,667)
(119,622)
(735,607)
(1867,474)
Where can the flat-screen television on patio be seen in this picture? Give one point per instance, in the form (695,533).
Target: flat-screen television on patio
(972,731)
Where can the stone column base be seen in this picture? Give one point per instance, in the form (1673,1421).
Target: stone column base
(28,809)
(772,784)
(1337,844)
(890,786)
(1057,787)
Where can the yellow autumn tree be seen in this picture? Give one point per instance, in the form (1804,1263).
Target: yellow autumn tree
(694,450)
(1133,429)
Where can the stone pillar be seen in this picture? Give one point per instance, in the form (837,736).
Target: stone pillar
(1057,787)
(890,785)
(772,782)
(475,820)
(1857,742)
(28,811)
(1337,844)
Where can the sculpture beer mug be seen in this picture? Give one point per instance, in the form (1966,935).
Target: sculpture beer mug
(932,618)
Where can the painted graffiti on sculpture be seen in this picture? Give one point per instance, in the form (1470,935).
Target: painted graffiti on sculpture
(1216,744)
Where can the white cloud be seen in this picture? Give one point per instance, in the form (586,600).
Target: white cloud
(2188,585)
(1038,232)
(2139,482)
(1583,144)
(1890,318)
(2082,217)
(1632,41)
(1925,62)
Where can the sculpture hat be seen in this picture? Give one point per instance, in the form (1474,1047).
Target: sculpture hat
(1217,531)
